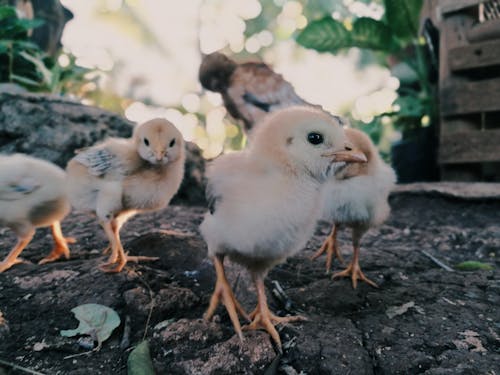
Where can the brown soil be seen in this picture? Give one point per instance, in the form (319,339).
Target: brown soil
(422,319)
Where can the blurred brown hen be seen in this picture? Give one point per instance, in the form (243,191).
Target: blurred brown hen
(249,90)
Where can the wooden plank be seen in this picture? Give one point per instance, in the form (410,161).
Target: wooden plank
(459,97)
(470,147)
(480,55)
(448,6)
(462,124)
(461,172)
(489,30)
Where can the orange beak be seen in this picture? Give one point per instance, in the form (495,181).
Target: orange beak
(348,154)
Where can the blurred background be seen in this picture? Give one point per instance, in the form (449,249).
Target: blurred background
(375,62)
(141,59)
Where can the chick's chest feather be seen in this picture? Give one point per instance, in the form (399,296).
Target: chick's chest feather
(153,187)
(359,199)
(249,219)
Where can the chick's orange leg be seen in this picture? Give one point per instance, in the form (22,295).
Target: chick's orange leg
(223,293)
(354,270)
(263,318)
(61,244)
(331,247)
(12,258)
(118,258)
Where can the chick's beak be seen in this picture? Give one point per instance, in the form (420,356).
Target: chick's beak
(348,154)
(159,155)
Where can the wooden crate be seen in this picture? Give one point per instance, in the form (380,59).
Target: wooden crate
(469,90)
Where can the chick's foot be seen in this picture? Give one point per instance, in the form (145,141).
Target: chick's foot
(263,318)
(354,271)
(6,264)
(116,265)
(224,294)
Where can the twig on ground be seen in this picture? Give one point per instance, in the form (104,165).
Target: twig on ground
(20,368)
(437,261)
(125,343)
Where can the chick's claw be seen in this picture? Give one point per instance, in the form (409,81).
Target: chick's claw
(114,266)
(354,271)
(6,264)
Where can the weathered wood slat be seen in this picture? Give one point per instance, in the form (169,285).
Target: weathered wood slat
(448,6)
(480,55)
(489,30)
(470,147)
(459,98)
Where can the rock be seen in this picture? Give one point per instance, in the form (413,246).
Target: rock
(164,303)
(232,356)
(52,128)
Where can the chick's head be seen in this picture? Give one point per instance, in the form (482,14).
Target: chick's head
(306,140)
(158,141)
(215,72)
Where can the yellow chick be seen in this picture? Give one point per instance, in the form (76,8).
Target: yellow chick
(119,178)
(356,198)
(32,195)
(265,201)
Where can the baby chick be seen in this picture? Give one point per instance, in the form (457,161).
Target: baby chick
(250,90)
(264,201)
(32,195)
(357,198)
(119,178)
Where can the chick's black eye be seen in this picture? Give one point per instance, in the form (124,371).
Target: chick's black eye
(172,143)
(315,138)
(146,141)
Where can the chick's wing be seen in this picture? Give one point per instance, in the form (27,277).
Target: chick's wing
(99,161)
(15,187)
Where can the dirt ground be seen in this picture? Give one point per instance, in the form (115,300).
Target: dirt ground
(421,320)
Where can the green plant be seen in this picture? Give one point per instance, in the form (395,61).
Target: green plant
(395,39)
(24,63)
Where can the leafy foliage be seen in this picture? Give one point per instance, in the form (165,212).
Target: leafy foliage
(403,17)
(24,63)
(329,35)
(396,38)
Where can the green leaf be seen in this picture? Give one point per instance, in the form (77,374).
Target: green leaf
(40,66)
(472,265)
(29,24)
(97,321)
(7,12)
(405,73)
(371,34)
(139,361)
(410,106)
(24,80)
(325,34)
(402,16)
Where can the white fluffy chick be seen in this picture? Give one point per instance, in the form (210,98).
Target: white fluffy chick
(264,201)
(356,198)
(32,195)
(119,178)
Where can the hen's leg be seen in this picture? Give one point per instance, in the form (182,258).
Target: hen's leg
(61,244)
(12,258)
(223,293)
(331,247)
(354,270)
(263,318)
